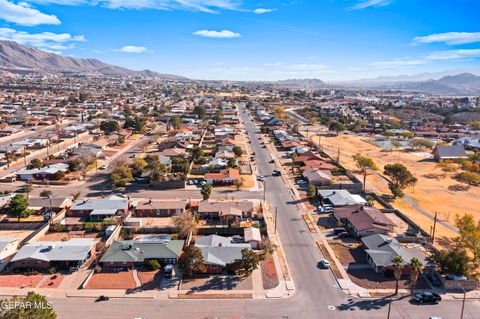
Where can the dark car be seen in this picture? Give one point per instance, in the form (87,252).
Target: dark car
(271,161)
(103,298)
(21,190)
(426,298)
(276,172)
(339,230)
(344,234)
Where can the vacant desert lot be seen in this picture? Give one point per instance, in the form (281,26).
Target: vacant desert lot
(431,192)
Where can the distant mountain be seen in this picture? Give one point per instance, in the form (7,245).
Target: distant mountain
(17,58)
(460,84)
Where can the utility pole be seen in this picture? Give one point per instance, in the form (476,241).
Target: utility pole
(434,226)
(338,156)
(25,154)
(276,214)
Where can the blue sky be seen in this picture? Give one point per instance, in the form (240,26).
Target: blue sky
(255,40)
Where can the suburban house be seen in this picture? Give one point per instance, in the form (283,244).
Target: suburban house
(227,176)
(41,255)
(381,250)
(48,172)
(127,254)
(99,209)
(318,177)
(362,221)
(225,211)
(340,197)
(48,204)
(219,252)
(159,208)
(253,237)
(450,152)
(8,246)
(469,142)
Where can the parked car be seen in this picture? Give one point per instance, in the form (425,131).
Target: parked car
(344,234)
(271,161)
(203,183)
(190,182)
(433,278)
(324,210)
(21,190)
(325,264)
(168,271)
(132,156)
(276,172)
(260,178)
(104,166)
(301,182)
(103,298)
(426,297)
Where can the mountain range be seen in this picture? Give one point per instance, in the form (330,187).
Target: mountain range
(17,58)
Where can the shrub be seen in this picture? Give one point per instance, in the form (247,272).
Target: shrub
(153,264)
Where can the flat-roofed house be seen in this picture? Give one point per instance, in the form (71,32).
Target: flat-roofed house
(99,209)
(449,152)
(226,176)
(225,211)
(159,208)
(41,255)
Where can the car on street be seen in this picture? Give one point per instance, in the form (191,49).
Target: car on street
(276,172)
(260,178)
(103,298)
(272,161)
(325,264)
(21,190)
(426,297)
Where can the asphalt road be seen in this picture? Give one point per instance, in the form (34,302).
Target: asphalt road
(317,293)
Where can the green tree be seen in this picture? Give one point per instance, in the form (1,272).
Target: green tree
(249,261)
(39,308)
(280,113)
(206,191)
(469,238)
(198,153)
(400,177)
(137,123)
(311,191)
(192,261)
(469,178)
(397,270)
(407,134)
(416,268)
(336,127)
(110,126)
(237,150)
(421,143)
(364,163)
(232,163)
(153,264)
(453,261)
(121,175)
(200,111)
(138,166)
(180,165)
(36,163)
(18,206)
(176,121)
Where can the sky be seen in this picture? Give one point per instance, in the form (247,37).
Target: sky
(332,40)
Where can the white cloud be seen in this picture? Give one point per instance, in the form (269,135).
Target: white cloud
(392,64)
(263,10)
(370,3)
(133,49)
(273,64)
(48,41)
(22,14)
(308,67)
(450,38)
(454,55)
(224,34)
(210,6)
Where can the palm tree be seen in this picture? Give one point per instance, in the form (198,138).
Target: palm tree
(397,270)
(416,268)
(206,191)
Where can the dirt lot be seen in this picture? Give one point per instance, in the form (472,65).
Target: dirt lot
(114,280)
(65,236)
(19,234)
(431,192)
(150,279)
(269,273)
(20,281)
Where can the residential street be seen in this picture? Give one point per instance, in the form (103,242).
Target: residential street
(317,293)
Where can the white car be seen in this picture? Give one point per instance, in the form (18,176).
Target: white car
(301,182)
(325,264)
(104,166)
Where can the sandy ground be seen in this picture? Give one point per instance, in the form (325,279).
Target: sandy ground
(430,193)
(19,234)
